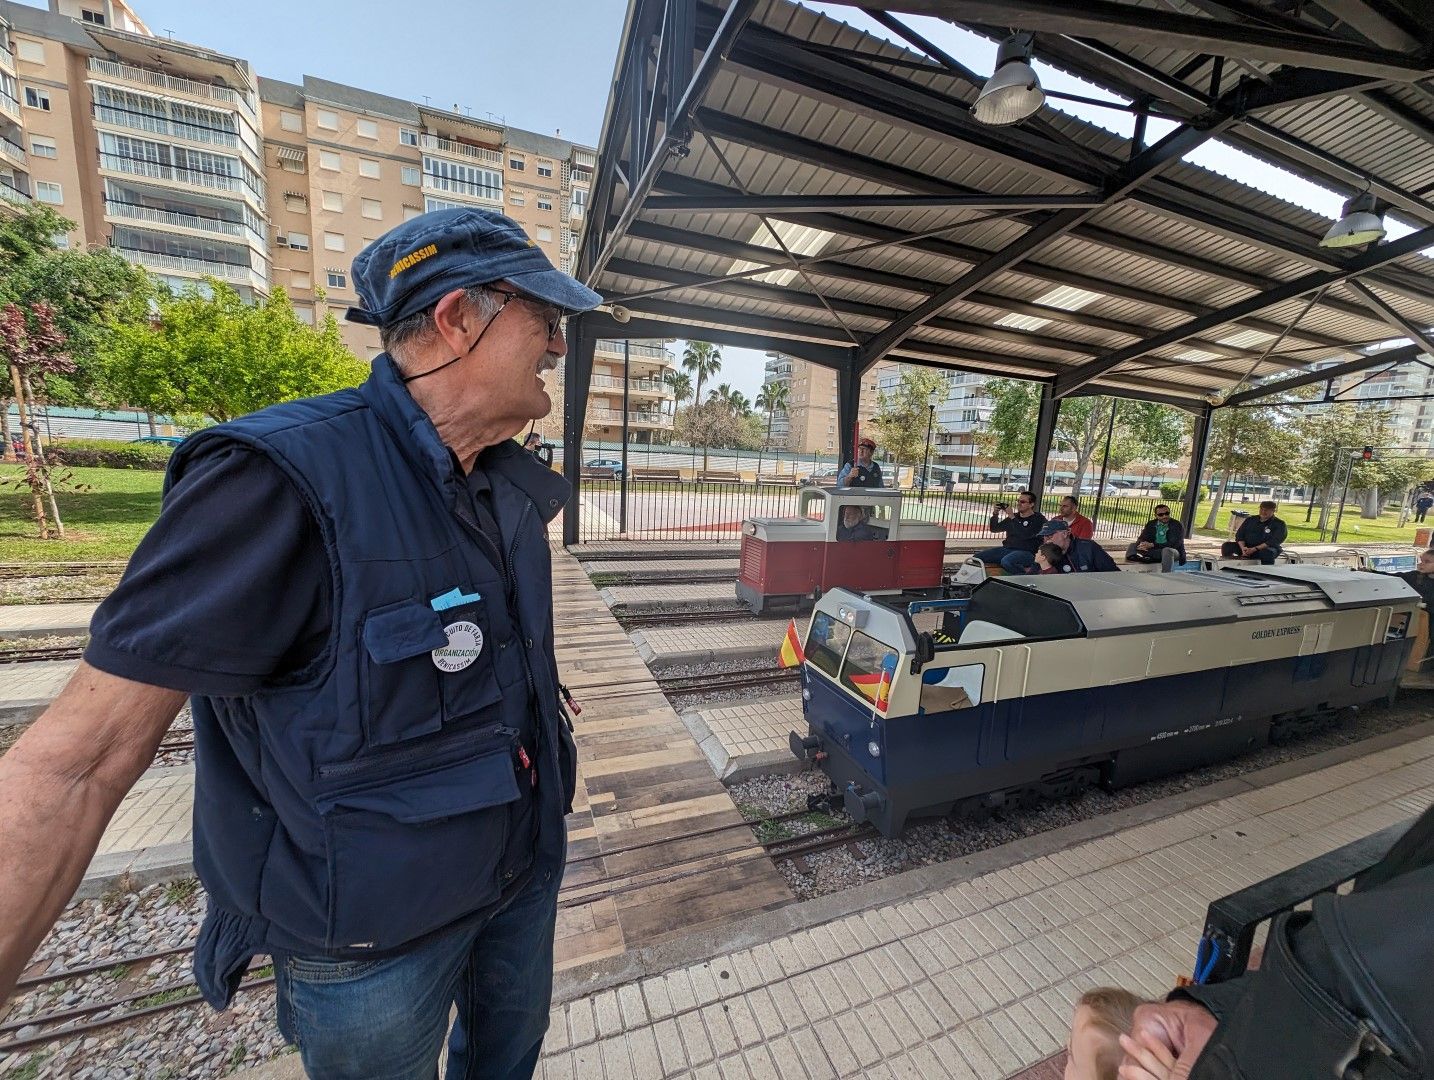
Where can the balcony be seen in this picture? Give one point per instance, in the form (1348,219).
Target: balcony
(14,153)
(213,226)
(144,77)
(458,149)
(646,352)
(175,264)
(7,59)
(443,185)
(175,174)
(13,194)
(158,125)
(613,418)
(584,159)
(9,106)
(635,386)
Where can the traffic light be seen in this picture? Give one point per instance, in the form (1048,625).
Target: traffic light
(1368,453)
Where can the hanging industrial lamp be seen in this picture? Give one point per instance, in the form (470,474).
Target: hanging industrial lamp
(1013,92)
(1360,223)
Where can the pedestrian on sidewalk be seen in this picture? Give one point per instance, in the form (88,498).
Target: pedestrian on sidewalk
(350,590)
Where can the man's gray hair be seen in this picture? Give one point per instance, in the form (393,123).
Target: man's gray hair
(401,338)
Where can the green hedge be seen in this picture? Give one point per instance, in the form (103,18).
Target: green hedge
(105,454)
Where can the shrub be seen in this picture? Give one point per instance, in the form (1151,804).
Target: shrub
(1171,492)
(107,454)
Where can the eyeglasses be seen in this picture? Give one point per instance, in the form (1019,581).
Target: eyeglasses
(551,322)
(1162,513)
(1023,502)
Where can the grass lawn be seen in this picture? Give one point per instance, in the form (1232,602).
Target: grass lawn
(1354,530)
(103,523)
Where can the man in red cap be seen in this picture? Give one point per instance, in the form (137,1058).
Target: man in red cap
(865,472)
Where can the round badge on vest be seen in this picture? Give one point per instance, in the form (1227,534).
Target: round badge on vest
(465,643)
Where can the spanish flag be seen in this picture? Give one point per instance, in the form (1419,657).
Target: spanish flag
(791,655)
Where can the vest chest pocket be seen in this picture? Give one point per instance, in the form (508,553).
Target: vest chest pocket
(466,677)
(398,681)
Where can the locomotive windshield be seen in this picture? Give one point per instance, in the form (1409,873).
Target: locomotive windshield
(1024,612)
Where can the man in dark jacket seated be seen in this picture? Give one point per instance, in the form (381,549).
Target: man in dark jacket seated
(1160,533)
(1259,537)
(1081,556)
(854,526)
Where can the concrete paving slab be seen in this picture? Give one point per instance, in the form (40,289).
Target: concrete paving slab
(38,620)
(670,646)
(747,739)
(692,595)
(26,690)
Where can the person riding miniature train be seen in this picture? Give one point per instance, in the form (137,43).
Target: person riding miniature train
(854,525)
(1077,556)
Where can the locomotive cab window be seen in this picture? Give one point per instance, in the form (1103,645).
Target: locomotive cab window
(868,669)
(826,642)
(944,689)
(1000,612)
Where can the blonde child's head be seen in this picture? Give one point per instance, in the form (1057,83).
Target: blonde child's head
(1101,1017)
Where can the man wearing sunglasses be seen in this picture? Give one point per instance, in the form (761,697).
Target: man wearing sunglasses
(1161,533)
(355,593)
(1023,535)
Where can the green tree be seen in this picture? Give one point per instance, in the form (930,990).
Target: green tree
(82,288)
(703,360)
(901,416)
(1141,429)
(1329,435)
(681,384)
(34,350)
(715,423)
(220,358)
(771,399)
(1258,442)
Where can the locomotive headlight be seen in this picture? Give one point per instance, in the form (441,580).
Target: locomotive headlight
(806,693)
(873,748)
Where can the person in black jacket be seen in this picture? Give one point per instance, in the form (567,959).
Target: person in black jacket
(1161,532)
(1022,529)
(1259,537)
(1078,556)
(1341,992)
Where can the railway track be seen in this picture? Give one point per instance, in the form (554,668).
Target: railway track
(29,656)
(639,619)
(83,1019)
(729,680)
(11,571)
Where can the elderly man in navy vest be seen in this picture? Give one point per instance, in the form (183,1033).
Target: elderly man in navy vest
(354,593)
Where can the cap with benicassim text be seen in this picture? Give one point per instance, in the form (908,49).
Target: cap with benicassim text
(411,267)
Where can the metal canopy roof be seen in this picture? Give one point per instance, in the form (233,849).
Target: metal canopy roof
(771,177)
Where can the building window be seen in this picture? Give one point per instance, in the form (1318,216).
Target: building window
(545,170)
(45,191)
(328,159)
(369,168)
(366,129)
(580,202)
(409,175)
(407,136)
(545,234)
(333,241)
(301,281)
(444,175)
(62,241)
(37,99)
(304,314)
(372,208)
(291,121)
(289,165)
(32,52)
(545,204)
(44,147)
(299,241)
(296,202)
(411,212)
(327,120)
(517,200)
(517,164)
(95,17)
(333,200)
(337,280)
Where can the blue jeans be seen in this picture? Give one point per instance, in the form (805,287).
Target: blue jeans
(1231,550)
(1009,559)
(385,1019)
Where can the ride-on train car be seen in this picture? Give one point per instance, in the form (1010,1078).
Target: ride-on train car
(786,561)
(1037,686)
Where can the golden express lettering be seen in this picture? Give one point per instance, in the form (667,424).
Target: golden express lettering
(412,259)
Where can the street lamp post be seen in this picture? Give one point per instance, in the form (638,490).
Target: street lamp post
(926,461)
(622,481)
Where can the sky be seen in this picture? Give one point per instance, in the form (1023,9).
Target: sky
(547,66)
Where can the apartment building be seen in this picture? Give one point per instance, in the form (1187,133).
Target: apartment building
(185,162)
(1411,422)
(650,401)
(808,425)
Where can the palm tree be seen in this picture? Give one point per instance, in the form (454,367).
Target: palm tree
(702,359)
(772,399)
(681,384)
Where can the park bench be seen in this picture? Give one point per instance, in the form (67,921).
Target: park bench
(597,474)
(785,479)
(720,477)
(657,474)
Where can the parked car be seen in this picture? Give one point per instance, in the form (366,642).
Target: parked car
(611,466)
(823,476)
(163,440)
(1089,488)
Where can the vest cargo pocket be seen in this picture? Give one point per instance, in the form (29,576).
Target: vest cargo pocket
(398,680)
(416,840)
(467,679)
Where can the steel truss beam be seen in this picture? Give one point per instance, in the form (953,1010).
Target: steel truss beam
(1301,286)
(1392,358)
(822,204)
(1174,30)
(1386,311)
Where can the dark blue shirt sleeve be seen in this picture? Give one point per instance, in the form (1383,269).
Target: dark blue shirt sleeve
(228,591)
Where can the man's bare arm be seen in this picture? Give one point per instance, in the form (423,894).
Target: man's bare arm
(59,786)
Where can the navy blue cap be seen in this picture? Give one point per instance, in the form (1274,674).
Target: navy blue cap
(1055,525)
(412,266)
